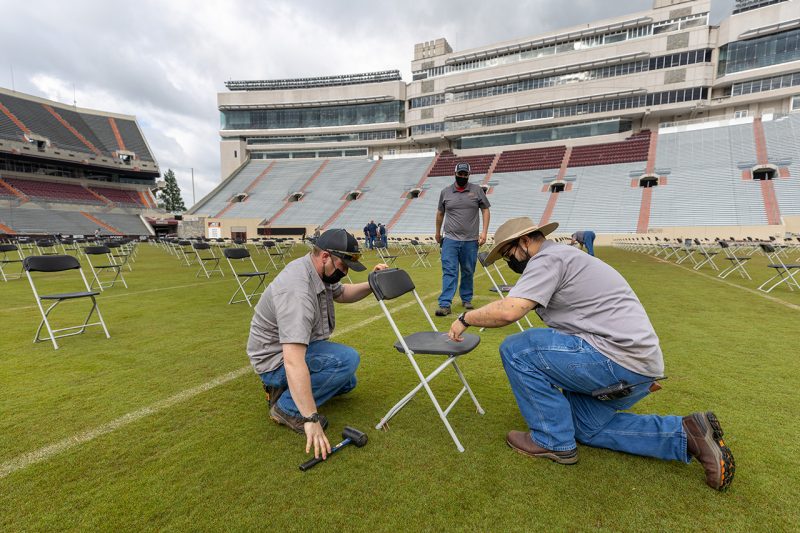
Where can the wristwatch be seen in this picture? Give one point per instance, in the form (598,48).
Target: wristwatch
(462,318)
(314,418)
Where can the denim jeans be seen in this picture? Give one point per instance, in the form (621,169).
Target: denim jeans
(332,367)
(588,241)
(539,361)
(455,255)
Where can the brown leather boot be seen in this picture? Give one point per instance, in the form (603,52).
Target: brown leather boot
(272,394)
(704,443)
(295,423)
(522,442)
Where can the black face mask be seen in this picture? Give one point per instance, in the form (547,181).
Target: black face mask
(462,181)
(336,277)
(518,266)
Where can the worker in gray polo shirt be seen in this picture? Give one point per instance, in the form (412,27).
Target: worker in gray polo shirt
(288,345)
(585,239)
(598,356)
(459,204)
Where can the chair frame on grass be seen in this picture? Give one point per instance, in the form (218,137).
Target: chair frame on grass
(60,263)
(386,257)
(241,254)
(422,254)
(737,262)
(392,283)
(274,250)
(5,260)
(202,260)
(111,266)
(499,289)
(782,270)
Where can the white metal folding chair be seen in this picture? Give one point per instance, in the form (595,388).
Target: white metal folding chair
(208,260)
(785,272)
(60,263)
(422,254)
(737,261)
(386,257)
(499,289)
(9,258)
(707,255)
(274,251)
(242,255)
(93,253)
(393,283)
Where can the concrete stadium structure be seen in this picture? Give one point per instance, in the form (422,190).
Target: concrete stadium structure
(604,110)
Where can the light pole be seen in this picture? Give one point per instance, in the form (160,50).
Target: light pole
(194,200)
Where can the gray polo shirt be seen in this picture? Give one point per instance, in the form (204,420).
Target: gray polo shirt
(581,295)
(578,236)
(296,308)
(461,211)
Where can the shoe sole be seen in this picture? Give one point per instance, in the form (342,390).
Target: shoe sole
(560,459)
(713,436)
(278,419)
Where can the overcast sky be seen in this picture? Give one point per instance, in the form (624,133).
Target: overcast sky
(166,61)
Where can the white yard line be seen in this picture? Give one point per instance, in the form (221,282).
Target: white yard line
(43,454)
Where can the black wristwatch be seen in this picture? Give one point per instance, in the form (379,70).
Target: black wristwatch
(462,318)
(314,418)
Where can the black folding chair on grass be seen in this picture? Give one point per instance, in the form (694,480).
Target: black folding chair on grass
(274,251)
(386,257)
(8,258)
(422,254)
(737,261)
(208,260)
(707,254)
(785,272)
(393,283)
(242,255)
(99,269)
(60,263)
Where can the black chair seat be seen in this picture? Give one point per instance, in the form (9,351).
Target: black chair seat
(68,295)
(738,258)
(10,260)
(503,288)
(437,343)
(106,266)
(251,274)
(781,266)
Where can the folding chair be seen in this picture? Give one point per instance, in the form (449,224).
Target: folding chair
(390,284)
(5,259)
(211,260)
(386,257)
(97,270)
(185,253)
(119,255)
(688,253)
(60,263)
(46,247)
(782,270)
(241,255)
(422,254)
(274,250)
(737,261)
(708,256)
(499,289)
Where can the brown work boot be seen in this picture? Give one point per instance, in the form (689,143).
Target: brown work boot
(468,306)
(704,443)
(522,442)
(443,311)
(295,423)
(272,393)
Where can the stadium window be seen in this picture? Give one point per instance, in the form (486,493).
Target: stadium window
(740,113)
(796,103)
(235,154)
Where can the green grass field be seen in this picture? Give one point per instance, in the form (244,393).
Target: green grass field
(210,459)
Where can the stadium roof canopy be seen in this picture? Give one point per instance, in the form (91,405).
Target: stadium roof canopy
(310,83)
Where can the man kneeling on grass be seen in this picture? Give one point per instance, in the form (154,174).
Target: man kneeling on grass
(598,336)
(289,346)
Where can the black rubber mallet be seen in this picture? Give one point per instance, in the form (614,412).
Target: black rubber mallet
(350,436)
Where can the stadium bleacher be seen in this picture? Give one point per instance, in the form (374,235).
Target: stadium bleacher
(53,191)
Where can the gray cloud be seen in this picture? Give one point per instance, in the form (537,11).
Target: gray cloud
(165,61)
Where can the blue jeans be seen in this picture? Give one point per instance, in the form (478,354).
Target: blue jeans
(588,241)
(539,361)
(455,255)
(332,367)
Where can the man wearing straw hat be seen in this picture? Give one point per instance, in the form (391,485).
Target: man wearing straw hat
(598,356)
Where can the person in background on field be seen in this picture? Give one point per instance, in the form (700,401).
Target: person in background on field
(382,234)
(366,237)
(585,239)
(373,233)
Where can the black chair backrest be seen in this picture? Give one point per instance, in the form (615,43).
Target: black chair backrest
(97,250)
(482,258)
(113,244)
(768,248)
(236,253)
(390,283)
(50,263)
(201,246)
(45,243)
(723,244)
(7,247)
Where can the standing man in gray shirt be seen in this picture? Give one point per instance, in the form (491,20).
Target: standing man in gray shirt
(459,204)
(288,345)
(597,358)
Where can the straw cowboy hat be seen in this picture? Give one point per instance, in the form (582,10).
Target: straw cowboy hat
(513,229)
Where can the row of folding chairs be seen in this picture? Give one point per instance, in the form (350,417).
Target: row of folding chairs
(734,255)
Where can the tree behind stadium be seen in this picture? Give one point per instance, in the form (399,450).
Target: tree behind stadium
(170,197)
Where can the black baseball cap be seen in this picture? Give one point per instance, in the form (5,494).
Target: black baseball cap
(462,167)
(343,245)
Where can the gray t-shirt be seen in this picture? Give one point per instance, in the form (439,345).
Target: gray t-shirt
(581,295)
(296,308)
(461,211)
(578,236)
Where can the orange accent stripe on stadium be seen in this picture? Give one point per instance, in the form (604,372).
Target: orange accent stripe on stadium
(117,136)
(13,118)
(98,196)
(551,202)
(72,130)
(248,189)
(5,229)
(305,186)
(644,210)
(651,153)
(761,141)
(770,202)
(14,191)
(100,223)
(405,205)
(489,172)
(346,202)
(145,200)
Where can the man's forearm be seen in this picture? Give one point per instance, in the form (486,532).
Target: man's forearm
(497,314)
(298,377)
(439,220)
(353,292)
(486,217)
